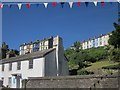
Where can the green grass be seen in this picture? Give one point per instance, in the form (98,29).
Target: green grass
(99,65)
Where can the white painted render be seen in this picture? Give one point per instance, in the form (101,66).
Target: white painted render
(99,41)
(52,64)
(37,71)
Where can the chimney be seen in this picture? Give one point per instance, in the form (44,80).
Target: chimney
(51,37)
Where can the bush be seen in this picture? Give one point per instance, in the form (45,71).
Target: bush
(83,72)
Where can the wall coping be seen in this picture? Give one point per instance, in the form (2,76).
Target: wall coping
(73,77)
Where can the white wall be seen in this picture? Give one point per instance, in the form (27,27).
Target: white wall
(37,71)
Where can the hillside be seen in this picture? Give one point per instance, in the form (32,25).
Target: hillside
(102,60)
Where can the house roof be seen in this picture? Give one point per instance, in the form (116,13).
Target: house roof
(33,55)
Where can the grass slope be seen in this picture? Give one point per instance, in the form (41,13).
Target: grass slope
(99,65)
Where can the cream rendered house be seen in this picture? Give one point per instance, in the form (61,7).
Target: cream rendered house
(100,41)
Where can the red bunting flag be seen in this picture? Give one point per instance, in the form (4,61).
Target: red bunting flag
(1,5)
(28,5)
(78,3)
(54,4)
(102,3)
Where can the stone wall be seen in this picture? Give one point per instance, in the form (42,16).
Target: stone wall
(73,82)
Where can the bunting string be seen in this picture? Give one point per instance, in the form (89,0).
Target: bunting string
(28,5)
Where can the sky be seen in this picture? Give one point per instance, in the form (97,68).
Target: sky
(36,23)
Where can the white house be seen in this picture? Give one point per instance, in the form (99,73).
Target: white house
(100,41)
(49,62)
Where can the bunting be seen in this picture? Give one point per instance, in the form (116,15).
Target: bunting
(54,4)
(102,3)
(9,5)
(28,5)
(86,3)
(71,4)
(19,6)
(95,3)
(111,3)
(37,5)
(62,4)
(78,3)
(45,4)
(1,5)
(118,1)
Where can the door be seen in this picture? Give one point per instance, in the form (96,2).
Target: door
(17,81)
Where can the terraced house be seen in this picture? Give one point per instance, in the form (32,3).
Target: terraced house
(99,41)
(38,59)
(38,45)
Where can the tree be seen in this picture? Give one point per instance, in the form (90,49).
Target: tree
(13,53)
(4,50)
(115,55)
(115,37)
(77,45)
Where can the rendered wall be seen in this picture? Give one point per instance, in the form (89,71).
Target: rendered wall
(38,70)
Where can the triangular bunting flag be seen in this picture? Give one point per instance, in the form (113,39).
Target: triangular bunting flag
(45,4)
(1,5)
(71,4)
(28,5)
(9,5)
(118,1)
(78,3)
(37,5)
(19,6)
(62,4)
(54,4)
(102,3)
(95,3)
(86,3)
(111,3)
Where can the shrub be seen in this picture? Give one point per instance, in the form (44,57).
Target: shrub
(83,72)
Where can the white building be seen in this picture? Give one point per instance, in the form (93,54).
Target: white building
(50,62)
(100,41)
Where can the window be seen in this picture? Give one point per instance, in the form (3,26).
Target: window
(10,66)
(2,67)
(9,81)
(30,64)
(22,47)
(2,80)
(18,65)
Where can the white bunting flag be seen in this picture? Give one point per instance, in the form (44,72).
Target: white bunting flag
(71,4)
(9,5)
(45,4)
(95,2)
(118,1)
(19,6)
